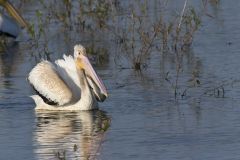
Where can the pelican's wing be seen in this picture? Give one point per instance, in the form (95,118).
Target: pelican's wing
(48,83)
(67,69)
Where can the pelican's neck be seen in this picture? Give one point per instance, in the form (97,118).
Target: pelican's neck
(88,100)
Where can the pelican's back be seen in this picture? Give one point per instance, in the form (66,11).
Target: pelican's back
(49,84)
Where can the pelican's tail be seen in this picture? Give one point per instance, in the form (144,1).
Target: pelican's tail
(38,100)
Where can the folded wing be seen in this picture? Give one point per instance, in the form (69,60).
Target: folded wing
(47,82)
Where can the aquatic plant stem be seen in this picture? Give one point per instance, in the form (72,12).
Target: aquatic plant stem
(178,66)
(180,21)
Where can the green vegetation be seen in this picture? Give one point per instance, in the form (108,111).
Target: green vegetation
(138,30)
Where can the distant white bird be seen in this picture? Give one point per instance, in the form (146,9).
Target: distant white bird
(9,26)
(69,84)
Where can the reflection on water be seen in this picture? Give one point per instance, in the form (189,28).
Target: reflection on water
(12,73)
(69,135)
(10,59)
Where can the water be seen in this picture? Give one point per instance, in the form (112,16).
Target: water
(141,118)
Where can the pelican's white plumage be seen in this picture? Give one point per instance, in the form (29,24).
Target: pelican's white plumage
(47,82)
(67,69)
(71,83)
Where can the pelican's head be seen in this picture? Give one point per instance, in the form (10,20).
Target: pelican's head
(82,63)
(79,50)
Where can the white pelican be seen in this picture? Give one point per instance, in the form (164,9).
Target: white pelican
(8,26)
(69,84)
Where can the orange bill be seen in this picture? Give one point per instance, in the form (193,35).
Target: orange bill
(86,65)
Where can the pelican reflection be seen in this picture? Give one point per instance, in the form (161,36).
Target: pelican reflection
(69,135)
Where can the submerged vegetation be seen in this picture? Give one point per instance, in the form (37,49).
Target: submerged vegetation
(128,23)
(166,34)
(139,32)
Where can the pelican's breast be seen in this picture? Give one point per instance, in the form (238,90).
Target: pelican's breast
(48,83)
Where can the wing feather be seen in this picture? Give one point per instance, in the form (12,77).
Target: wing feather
(48,83)
(67,69)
